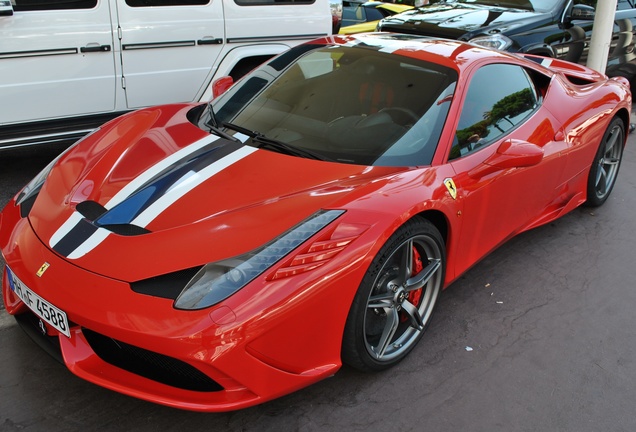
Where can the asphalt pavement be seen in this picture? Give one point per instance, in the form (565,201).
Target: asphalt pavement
(539,336)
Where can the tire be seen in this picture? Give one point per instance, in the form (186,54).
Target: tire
(395,301)
(607,161)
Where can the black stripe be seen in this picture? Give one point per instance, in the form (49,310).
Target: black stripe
(38,53)
(153,45)
(276,38)
(75,237)
(221,146)
(46,131)
(148,193)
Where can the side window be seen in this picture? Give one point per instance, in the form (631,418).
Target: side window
(499,98)
(34,5)
(374,14)
(352,15)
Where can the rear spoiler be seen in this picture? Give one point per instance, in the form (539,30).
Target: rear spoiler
(576,73)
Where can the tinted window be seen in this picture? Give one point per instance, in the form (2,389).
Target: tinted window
(32,5)
(499,97)
(352,15)
(374,14)
(347,104)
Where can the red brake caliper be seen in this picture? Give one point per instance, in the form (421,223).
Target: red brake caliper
(415,296)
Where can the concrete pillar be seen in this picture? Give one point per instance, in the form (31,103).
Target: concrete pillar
(602,34)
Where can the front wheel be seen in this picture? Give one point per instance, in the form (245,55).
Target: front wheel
(395,301)
(607,161)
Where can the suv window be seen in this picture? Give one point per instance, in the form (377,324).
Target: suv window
(499,97)
(34,5)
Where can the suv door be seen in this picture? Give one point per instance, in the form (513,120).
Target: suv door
(56,53)
(189,33)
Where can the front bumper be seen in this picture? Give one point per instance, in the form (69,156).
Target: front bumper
(218,359)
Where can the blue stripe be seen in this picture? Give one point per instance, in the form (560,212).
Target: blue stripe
(126,211)
(146,194)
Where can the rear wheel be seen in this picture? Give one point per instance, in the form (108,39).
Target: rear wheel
(395,301)
(607,161)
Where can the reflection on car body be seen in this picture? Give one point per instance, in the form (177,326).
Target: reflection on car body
(560,29)
(215,256)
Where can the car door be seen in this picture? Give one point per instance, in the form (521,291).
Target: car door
(56,60)
(168,48)
(506,158)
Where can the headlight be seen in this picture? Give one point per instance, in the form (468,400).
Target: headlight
(496,41)
(217,281)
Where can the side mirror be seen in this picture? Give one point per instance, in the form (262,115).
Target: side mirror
(221,85)
(511,153)
(6,8)
(582,12)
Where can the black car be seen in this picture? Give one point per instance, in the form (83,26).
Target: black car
(553,28)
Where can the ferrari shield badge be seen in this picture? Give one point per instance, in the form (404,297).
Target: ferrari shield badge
(42,269)
(450,185)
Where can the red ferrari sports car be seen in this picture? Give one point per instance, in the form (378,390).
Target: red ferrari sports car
(215,256)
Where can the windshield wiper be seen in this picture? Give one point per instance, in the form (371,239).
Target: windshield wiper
(214,128)
(280,146)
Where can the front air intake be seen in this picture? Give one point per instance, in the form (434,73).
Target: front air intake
(148,364)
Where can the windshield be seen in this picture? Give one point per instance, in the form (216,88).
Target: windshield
(534,5)
(346,104)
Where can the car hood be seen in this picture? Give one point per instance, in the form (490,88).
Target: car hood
(459,21)
(153,193)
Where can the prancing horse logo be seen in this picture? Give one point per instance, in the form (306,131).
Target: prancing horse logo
(452,189)
(42,269)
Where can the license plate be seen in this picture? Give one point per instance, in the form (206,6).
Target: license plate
(53,315)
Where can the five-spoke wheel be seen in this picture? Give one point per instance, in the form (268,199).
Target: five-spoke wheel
(606,163)
(395,301)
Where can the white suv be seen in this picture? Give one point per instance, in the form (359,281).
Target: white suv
(66,66)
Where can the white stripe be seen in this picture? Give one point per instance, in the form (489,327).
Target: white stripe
(189,182)
(547,62)
(89,244)
(154,210)
(131,187)
(65,228)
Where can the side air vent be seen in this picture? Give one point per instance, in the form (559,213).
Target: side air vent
(167,286)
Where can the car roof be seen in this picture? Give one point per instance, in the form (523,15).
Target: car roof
(450,53)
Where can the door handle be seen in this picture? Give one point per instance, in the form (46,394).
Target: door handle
(95,48)
(206,41)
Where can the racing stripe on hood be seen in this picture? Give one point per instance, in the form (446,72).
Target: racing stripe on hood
(148,195)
